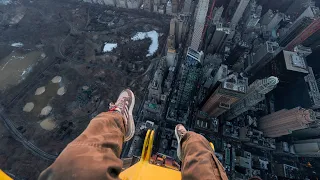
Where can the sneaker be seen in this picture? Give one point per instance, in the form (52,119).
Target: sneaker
(124,106)
(179,131)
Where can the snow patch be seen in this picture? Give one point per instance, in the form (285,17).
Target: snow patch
(48,124)
(153,35)
(28,107)
(61,91)
(40,91)
(109,47)
(26,72)
(18,44)
(5,2)
(46,110)
(56,79)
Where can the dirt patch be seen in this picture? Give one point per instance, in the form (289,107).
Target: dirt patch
(40,91)
(56,79)
(48,124)
(61,91)
(28,107)
(46,110)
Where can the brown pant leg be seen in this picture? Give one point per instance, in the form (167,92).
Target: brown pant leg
(94,154)
(198,159)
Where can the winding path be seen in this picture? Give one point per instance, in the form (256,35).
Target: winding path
(27,144)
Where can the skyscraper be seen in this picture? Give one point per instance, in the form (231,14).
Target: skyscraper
(200,20)
(294,31)
(189,78)
(187,7)
(227,92)
(147,5)
(217,15)
(239,12)
(218,37)
(263,55)
(313,41)
(271,20)
(304,34)
(252,14)
(169,7)
(236,53)
(285,121)
(297,7)
(313,90)
(175,4)
(256,93)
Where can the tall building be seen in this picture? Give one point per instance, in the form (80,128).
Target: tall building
(294,31)
(263,55)
(169,7)
(187,7)
(182,25)
(307,148)
(171,51)
(121,3)
(230,9)
(303,92)
(266,18)
(200,21)
(310,12)
(175,5)
(236,53)
(227,92)
(218,38)
(297,7)
(271,20)
(305,34)
(172,31)
(156,4)
(103,2)
(147,5)
(285,121)
(217,15)
(256,93)
(313,90)
(252,14)
(155,87)
(239,12)
(313,41)
(189,77)
(134,4)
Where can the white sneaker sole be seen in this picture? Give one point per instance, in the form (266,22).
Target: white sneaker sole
(179,146)
(130,122)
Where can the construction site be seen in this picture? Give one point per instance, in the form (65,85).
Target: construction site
(62,63)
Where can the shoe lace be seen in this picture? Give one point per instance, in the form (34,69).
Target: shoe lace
(181,132)
(119,104)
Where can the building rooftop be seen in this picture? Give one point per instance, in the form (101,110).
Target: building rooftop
(294,62)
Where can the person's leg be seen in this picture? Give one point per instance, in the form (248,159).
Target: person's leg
(95,153)
(197,156)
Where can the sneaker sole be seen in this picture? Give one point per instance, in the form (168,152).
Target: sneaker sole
(179,146)
(131,125)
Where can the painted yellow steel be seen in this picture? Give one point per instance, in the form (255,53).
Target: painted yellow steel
(3,176)
(143,170)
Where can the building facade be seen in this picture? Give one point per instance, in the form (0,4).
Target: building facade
(229,91)
(285,121)
(200,21)
(255,94)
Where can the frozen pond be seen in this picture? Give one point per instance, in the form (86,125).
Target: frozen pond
(18,44)
(153,35)
(109,47)
(5,2)
(16,66)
